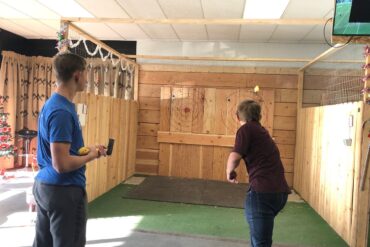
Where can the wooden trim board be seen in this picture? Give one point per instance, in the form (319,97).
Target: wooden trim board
(196,139)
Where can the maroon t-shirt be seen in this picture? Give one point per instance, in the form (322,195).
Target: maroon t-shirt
(262,156)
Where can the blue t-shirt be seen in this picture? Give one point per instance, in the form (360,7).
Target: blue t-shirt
(58,122)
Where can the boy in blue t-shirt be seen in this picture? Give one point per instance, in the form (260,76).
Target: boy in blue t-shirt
(59,188)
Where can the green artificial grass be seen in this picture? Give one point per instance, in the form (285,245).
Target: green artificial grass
(297,224)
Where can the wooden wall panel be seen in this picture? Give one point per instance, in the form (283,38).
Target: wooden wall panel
(189,160)
(147,142)
(149,103)
(209,111)
(132,140)
(106,118)
(149,116)
(220,111)
(324,169)
(176,109)
(206,86)
(147,129)
(114,132)
(219,80)
(206,162)
(285,95)
(198,110)
(284,136)
(284,123)
(286,109)
(149,91)
(148,154)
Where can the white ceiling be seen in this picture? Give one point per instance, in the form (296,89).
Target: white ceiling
(33,19)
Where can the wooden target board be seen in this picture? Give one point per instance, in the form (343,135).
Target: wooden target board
(198,126)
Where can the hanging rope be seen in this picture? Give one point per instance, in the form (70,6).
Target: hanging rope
(114,63)
(74,45)
(89,52)
(102,55)
(125,67)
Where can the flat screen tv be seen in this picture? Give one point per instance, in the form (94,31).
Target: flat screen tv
(349,18)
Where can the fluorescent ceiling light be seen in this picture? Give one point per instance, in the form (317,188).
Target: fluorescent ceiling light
(66,8)
(264,9)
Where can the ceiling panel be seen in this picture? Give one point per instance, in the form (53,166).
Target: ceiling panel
(181,8)
(223,32)
(45,22)
(54,24)
(8,12)
(159,31)
(191,32)
(258,33)
(38,28)
(152,9)
(99,30)
(308,9)
(15,28)
(106,8)
(290,33)
(142,8)
(32,8)
(223,9)
(317,34)
(129,31)
(66,8)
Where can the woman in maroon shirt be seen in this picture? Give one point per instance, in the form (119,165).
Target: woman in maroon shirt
(268,190)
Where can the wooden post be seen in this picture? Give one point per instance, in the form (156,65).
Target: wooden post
(367,79)
(64,30)
(299,109)
(360,215)
(136,83)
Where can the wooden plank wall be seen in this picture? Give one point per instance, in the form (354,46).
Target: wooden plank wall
(196,119)
(153,77)
(106,118)
(326,170)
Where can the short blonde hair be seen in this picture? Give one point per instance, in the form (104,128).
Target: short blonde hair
(249,110)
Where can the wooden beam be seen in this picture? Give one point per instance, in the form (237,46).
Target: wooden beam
(241,59)
(100,43)
(196,139)
(299,22)
(354,39)
(331,50)
(366,98)
(300,92)
(237,59)
(218,69)
(136,83)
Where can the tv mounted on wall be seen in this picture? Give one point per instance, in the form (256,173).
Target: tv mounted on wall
(351,18)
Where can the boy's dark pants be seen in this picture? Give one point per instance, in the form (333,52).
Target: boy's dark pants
(61,215)
(260,212)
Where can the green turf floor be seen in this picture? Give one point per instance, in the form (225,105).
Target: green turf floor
(298,224)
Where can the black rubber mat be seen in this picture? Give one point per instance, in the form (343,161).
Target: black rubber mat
(193,191)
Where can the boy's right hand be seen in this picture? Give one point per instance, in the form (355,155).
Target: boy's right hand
(231,177)
(97,151)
